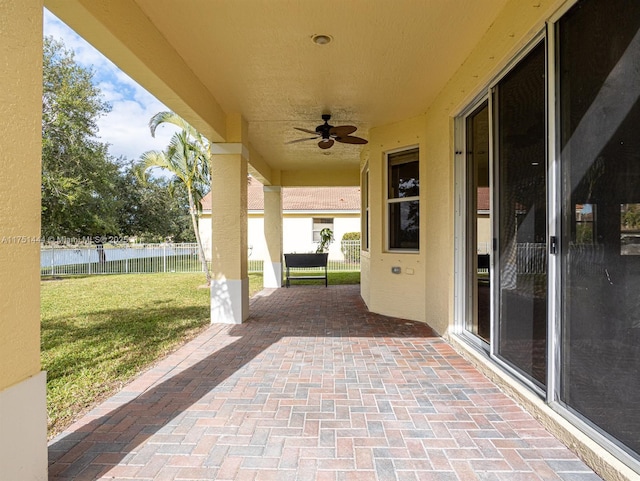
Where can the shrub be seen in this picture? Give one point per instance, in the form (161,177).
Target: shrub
(350,254)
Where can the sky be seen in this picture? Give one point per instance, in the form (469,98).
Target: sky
(126,127)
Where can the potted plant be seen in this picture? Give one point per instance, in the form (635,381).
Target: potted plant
(326,238)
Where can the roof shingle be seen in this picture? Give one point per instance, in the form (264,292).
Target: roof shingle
(301,198)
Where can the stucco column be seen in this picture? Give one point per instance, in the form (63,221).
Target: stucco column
(273,236)
(23,415)
(230,284)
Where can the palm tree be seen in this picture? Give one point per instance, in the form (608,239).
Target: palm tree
(187,157)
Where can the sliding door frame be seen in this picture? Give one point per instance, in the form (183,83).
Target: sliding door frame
(555,279)
(463,289)
(464,302)
(551,395)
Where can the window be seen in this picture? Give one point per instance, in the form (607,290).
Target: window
(365,203)
(403,174)
(320,223)
(585,224)
(629,229)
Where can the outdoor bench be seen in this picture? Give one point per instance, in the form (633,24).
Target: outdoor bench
(305,261)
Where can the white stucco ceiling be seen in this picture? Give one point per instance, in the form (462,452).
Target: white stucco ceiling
(387,61)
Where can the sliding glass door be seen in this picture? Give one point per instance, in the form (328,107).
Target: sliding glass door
(599,127)
(582,223)
(479,249)
(506,236)
(521,215)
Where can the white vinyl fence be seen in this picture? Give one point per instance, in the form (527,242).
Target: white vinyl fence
(150,258)
(532,258)
(349,258)
(529,258)
(118,259)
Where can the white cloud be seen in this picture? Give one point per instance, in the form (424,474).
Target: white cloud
(125,128)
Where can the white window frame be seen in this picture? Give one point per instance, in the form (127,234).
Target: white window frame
(365,219)
(325,224)
(390,201)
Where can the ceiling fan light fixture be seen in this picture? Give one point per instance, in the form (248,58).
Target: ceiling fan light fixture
(321,39)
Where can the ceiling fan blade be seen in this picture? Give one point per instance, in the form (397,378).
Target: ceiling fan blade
(325,144)
(312,132)
(351,139)
(342,130)
(300,140)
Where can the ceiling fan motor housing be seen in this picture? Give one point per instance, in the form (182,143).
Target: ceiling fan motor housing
(324,129)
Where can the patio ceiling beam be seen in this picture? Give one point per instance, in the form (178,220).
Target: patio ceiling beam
(260,169)
(325,177)
(124,34)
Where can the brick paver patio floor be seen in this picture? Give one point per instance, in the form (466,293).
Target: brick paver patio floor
(312,387)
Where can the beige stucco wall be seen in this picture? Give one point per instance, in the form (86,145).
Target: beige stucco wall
(428,294)
(400,295)
(365,269)
(228,176)
(23,414)
(20,154)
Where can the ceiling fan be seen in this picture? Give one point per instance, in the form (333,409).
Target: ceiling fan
(328,134)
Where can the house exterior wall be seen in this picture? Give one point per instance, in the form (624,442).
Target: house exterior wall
(255,236)
(400,295)
(297,233)
(365,274)
(484,233)
(427,294)
(23,419)
(204,227)
(20,109)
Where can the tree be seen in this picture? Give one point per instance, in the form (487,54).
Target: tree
(78,176)
(85,192)
(152,209)
(187,158)
(630,216)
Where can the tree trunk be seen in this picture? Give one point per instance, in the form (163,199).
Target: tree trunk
(194,220)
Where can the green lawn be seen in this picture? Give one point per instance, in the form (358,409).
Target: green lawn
(334,278)
(99,332)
